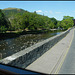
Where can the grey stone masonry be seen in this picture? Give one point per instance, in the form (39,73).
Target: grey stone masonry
(25,57)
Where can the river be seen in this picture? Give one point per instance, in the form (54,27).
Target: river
(13,45)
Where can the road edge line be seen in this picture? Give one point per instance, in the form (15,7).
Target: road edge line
(56,72)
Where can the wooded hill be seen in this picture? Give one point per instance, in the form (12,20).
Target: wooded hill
(11,11)
(15,19)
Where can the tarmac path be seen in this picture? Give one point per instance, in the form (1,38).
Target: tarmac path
(59,59)
(68,66)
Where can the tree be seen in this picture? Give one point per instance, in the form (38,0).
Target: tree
(3,22)
(67,17)
(59,24)
(3,29)
(51,25)
(54,21)
(66,23)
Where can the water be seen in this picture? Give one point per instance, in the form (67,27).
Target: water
(11,46)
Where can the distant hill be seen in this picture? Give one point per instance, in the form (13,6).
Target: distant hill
(11,11)
(10,8)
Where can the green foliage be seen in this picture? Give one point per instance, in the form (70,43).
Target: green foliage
(3,29)
(4,23)
(67,17)
(66,23)
(12,11)
(19,20)
(51,25)
(54,21)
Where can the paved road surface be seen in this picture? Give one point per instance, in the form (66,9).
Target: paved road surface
(49,62)
(68,66)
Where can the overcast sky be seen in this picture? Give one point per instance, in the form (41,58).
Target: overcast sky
(56,9)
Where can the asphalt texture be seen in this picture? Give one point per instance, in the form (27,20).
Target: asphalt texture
(68,66)
(51,61)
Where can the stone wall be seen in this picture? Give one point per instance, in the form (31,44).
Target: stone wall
(25,57)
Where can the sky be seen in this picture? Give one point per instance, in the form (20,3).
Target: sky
(56,9)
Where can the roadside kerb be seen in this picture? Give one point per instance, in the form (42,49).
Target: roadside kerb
(49,61)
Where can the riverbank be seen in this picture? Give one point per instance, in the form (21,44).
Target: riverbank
(14,34)
(16,44)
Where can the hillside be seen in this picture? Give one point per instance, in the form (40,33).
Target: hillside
(11,11)
(15,19)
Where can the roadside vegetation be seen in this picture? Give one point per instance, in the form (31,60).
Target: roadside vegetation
(18,20)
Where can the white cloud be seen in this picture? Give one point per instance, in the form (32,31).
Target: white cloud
(39,11)
(73,11)
(50,12)
(46,11)
(58,12)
